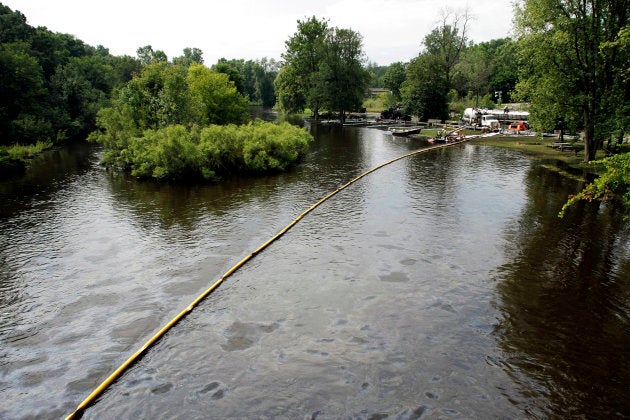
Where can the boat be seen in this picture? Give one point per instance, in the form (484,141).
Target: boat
(405,131)
(446,136)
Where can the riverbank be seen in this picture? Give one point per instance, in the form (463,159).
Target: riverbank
(14,159)
(540,148)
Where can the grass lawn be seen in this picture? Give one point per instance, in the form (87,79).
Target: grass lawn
(539,148)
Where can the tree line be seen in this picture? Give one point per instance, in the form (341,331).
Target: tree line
(53,86)
(568,60)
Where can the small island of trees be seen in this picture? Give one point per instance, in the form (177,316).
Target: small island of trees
(177,121)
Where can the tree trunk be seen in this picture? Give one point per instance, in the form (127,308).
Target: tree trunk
(590,144)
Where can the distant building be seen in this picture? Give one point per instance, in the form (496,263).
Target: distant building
(374,92)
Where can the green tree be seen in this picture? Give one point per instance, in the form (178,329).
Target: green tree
(265,72)
(191,55)
(447,42)
(323,67)
(215,98)
(615,182)
(342,76)
(13,26)
(148,56)
(430,75)
(425,90)
(290,93)
(233,74)
(567,75)
(394,77)
(22,88)
(505,74)
(305,52)
(475,70)
(377,72)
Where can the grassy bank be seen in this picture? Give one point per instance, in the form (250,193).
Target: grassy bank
(14,159)
(540,148)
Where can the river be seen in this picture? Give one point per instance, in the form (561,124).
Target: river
(442,285)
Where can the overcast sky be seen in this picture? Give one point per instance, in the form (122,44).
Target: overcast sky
(392,30)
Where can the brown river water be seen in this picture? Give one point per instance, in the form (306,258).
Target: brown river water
(440,286)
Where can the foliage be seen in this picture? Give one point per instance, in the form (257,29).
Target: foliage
(430,75)
(148,56)
(323,68)
(191,55)
(255,78)
(567,74)
(377,73)
(614,182)
(447,42)
(394,77)
(378,104)
(299,84)
(425,91)
(168,94)
(179,122)
(342,76)
(51,84)
(214,97)
(474,70)
(175,152)
(233,74)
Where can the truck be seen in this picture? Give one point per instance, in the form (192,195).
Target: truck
(493,118)
(491,122)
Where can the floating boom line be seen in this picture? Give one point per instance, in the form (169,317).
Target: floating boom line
(78,412)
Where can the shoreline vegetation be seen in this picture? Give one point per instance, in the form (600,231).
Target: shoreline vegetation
(180,119)
(187,122)
(178,153)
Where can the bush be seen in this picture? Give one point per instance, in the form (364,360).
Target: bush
(270,147)
(615,182)
(177,153)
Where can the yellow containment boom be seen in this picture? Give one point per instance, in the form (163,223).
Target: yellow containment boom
(78,412)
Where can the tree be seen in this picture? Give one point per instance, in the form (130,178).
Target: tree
(305,52)
(393,78)
(215,98)
(447,42)
(80,88)
(265,71)
(233,74)
(147,56)
(22,87)
(51,86)
(323,67)
(290,93)
(425,90)
(191,55)
(342,76)
(430,75)
(567,75)
(475,68)
(504,76)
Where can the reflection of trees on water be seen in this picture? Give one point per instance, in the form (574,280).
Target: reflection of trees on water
(182,205)
(565,303)
(43,180)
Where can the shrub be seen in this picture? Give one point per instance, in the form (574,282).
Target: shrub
(177,153)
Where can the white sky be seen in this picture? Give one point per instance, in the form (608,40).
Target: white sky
(392,30)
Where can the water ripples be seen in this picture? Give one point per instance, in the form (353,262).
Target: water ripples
(396,297)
